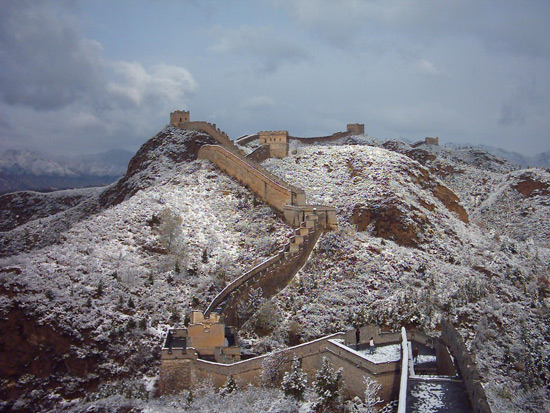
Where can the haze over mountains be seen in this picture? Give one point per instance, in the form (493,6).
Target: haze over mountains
(541,160)
(28,170)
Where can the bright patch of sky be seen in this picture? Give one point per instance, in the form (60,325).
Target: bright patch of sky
(90,76)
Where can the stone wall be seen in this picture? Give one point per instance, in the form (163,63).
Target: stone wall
(295,214)
(209,128)
(260,154)
(467,367)
(267,186)
(329,138)
(243,140)
(272,279)
(311,355)
(445,365)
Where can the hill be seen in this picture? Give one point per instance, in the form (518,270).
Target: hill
(92,278)
(88,305)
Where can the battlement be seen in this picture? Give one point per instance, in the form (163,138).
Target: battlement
(427,141)
(432,141)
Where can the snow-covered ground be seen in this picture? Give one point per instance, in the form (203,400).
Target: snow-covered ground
(110,278)
(494,288)
(119,277)
(383,354)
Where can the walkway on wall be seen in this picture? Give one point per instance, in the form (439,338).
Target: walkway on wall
(438,395)
(430,391)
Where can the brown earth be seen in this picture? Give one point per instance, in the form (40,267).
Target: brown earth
(528,186)
(391,222)
(447,197)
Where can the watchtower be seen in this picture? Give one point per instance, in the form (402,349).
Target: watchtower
(356,128)
(277,141)
(179,116)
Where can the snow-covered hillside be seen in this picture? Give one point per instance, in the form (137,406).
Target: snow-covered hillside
(90,279)
(96,301)
(495,289)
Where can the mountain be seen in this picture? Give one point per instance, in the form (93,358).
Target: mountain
(90,279)
(541,160)
(27,170)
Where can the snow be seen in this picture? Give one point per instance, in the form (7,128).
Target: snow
(425,358)
(383,354)
(489,278)
(430,396)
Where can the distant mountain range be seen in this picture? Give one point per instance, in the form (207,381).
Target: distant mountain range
(541,160)
(28,170)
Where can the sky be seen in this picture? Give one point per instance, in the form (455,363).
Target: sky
(88,76)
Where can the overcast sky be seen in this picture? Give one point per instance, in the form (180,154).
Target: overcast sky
(88,76)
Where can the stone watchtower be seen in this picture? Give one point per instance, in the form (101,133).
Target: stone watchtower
(179,116)
(356,128)
(277,141)
(432,141)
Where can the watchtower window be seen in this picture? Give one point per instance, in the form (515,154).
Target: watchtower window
(180,120)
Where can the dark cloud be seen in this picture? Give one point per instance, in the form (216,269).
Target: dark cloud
(517,108)
(46,63)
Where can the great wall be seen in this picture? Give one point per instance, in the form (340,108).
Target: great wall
(207,348)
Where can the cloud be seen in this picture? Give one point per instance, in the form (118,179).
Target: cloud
(427,68)
(520,105)
(271,48)
(258,103)
(45,62)
(78,99)
(137,87)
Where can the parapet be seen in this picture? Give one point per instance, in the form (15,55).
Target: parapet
(356,128)
(267,137)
